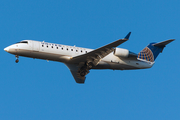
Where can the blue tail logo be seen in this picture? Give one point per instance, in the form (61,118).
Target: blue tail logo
(151,52)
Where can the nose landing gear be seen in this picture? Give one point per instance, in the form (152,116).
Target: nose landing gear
(17,60)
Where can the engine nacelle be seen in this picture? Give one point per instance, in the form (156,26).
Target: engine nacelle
(120,52)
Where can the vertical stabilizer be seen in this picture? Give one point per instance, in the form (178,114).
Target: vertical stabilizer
(151,52)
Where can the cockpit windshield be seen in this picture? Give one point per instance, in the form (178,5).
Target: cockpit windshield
(23,42)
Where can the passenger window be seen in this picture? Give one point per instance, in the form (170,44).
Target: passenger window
(67,48)
(86,51)
(76,50)
(47,46)
(81,51)
(62,48)
(42,45)
(52,46)
(71,49)
(57,47)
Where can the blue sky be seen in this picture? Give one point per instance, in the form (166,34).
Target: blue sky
(37,89)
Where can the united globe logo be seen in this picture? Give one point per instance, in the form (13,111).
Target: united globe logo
(146,54)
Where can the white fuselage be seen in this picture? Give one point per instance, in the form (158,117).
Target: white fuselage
(64,53)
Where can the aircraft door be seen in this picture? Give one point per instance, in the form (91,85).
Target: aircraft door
(35,46)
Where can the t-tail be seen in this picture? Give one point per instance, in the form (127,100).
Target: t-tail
(151,52)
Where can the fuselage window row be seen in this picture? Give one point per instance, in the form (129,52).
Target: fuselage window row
(61,48)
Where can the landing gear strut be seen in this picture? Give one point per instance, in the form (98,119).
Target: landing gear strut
(17,60)
(83,71)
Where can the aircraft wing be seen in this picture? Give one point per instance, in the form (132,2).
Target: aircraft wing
(96,55)
(80,65)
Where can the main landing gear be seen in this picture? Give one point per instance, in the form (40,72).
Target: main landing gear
(84,70)
(17,60)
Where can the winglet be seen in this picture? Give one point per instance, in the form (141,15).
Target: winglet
(128,35)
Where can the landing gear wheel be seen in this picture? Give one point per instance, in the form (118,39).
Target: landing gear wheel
(83,73)
(17,61)
(90,65)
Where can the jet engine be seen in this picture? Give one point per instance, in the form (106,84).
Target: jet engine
(120,52)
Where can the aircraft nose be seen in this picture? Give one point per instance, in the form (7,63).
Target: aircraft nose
(6,49)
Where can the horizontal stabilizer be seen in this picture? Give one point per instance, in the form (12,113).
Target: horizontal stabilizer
(164,43)
(151,52)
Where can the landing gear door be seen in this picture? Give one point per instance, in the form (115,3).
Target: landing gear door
(35,46)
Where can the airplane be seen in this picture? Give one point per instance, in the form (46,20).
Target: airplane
(81,60)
